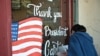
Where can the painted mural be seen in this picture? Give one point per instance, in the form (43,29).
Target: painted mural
(27,39)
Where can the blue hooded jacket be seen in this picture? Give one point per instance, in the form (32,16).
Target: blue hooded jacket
(81,44)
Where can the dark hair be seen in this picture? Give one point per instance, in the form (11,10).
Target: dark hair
(78,28)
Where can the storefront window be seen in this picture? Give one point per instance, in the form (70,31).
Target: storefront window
(54,25)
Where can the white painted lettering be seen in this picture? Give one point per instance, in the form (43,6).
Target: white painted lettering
(57,32)
(51,48)
(56,15)
(38,12)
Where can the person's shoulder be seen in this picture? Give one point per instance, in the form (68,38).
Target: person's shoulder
(80,32)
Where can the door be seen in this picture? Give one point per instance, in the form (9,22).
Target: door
(57,18)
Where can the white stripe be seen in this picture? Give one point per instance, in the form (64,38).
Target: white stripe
(30,36)
(29,30)
(35,22)
(26,44)
(28,52)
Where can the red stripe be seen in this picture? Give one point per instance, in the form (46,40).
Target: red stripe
(26,40)
(35,54)
(30,19)
(30,26)
(25,49)
(29,33)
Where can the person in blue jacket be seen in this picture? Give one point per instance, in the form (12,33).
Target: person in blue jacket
(80,42)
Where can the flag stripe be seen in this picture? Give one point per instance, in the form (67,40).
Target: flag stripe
(30,26)
(25,49)
(30,23)
(30,19)
(30,29)
(26,40)
(26,44)
(29,33)
(30,36)
(33,50)
(35,54)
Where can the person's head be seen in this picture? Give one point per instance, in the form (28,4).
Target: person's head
(78,28)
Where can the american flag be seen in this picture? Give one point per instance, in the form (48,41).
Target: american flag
(29,42)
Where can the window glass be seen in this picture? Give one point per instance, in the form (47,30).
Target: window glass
(54,27)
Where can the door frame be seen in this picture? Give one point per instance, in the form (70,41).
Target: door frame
(5,27)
